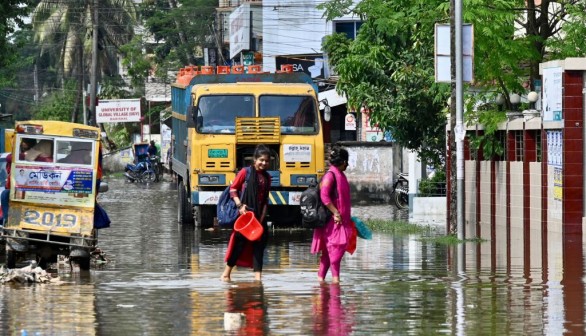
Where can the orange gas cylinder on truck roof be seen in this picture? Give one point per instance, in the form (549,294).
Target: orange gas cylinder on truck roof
(286,68)
(223,69)
(238,69)
(186,74)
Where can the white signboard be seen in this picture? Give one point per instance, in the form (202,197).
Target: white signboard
(294,197)
(209,197)
(442,53)
(555,148)
(297,153)
(350,122)
(552,94)
(146,129)
(239,30)
(118,110)
(374,136)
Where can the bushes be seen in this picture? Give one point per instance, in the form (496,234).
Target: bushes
(435,186)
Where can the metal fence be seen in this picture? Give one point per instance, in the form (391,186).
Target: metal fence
(428,188)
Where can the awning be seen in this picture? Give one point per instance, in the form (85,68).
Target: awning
(333,98)
(166,116)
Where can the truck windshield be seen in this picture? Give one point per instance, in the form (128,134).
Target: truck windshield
(298,113)
(217,113)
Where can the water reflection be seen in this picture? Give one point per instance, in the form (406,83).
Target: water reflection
(247,299)
(68,309)
(163,279)
(330,316)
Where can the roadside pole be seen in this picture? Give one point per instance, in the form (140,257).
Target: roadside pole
(459,131)
(459,134)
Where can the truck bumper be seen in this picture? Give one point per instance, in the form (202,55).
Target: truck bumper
(275,197)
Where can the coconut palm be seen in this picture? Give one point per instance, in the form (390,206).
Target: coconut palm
(64,29)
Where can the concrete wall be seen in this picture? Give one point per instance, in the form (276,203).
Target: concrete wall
(116,161)
(429,209)
(371,170)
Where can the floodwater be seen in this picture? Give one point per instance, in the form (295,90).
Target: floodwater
(163,279)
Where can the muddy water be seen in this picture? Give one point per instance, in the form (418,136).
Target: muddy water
(163,279)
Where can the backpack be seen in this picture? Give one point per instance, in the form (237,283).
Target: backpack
(227,211)
(314,213)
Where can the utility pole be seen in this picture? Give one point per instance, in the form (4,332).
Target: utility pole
(459,131)
(36,84)
(94,70)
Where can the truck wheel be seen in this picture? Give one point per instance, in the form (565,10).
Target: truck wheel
(204,215)
(285,215)
(184,210)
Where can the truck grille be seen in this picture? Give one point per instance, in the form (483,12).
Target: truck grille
(265,130)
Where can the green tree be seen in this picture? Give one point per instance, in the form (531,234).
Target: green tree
(58,104)
(181,28)
(389,69)
(64,28)
(12,13)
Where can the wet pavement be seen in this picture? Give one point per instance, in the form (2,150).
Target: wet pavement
(162,278)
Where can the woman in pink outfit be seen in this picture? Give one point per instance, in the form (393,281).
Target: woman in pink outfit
(333,239)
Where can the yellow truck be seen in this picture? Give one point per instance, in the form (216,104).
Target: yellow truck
(221,114)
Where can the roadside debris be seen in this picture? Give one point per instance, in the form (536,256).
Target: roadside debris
(28,274)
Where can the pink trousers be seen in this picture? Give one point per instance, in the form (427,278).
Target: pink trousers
(331,256)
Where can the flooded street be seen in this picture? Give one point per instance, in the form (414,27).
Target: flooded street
(163,279)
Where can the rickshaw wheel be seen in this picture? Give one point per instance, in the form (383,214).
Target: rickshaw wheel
(10,258)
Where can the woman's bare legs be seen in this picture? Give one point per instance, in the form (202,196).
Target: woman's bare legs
(226,275)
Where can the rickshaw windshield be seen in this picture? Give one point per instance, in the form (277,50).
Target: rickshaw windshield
(60,150)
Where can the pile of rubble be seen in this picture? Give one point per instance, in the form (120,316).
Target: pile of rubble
(28,274)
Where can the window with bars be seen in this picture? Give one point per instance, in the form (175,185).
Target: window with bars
(519,145)
(538,152)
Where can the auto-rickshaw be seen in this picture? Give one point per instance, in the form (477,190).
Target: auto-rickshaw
(53,189)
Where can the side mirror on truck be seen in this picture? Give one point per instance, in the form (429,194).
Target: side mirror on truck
(191,112)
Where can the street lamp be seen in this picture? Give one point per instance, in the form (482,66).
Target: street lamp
(515,100)
(532,98)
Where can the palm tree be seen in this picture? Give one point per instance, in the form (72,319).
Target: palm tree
(64,30)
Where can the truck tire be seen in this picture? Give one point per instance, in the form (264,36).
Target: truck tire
(204,216)
(285,215)
(184,209)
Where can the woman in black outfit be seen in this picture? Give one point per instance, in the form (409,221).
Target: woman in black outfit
(250,195)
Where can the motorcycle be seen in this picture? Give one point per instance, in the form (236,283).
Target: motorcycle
(400,194)
(141,172)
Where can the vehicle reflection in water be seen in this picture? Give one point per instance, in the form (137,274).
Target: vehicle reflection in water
(68,309)
(163,279)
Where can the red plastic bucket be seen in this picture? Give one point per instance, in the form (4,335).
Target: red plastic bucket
(248,226)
